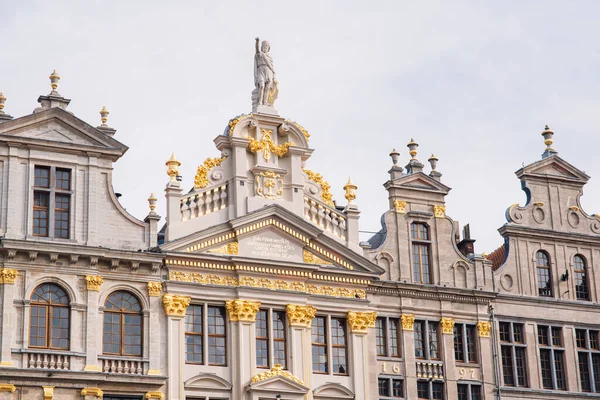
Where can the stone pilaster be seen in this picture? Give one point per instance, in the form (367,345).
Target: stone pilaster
(175,308)
(486,352)
(9,314)
(447,352)
(154,292)
(172,194)
(408,347)
(359,323)
(300,320)
(242,315)
(93,341)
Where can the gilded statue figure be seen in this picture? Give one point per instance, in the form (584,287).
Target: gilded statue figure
(266,88)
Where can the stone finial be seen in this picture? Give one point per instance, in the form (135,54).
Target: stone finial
(433,162)
(104,116)
(152,202)
(54,78)
(412,147)
(394,154)
(547,134)
(173,168)
(2,101)
(350,189)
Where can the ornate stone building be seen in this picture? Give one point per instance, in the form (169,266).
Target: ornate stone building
(257,286)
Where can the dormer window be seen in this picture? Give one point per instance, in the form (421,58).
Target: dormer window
(421,246)
(544,276)
(51,201)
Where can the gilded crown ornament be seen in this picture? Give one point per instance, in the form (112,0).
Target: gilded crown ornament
(104,116)
(174,305)
(173,167)
(300,315)
(242,310)
(361,321)
(350,189)
(94,282)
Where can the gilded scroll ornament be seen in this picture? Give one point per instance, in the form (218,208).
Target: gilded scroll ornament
(269,185)
(439,211)
(154,289)
(311,258)
(484,328)
(175,305)
(8,276)
(90,391)
(7,387)
(447,326)
(277,370)
(242,310)
(361,321)
(267,146)
(154,395)
(408,322)
(231,248)
(400,206)
(94,282)
(300,315)
(234,121)
(301,128)
(325,186)
(201,178)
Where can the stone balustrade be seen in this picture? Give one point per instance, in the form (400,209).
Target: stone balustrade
(122,365)
(325,217)
(430,369)
(197,204)
(47,360)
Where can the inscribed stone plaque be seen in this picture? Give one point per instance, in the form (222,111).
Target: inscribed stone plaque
(270,245)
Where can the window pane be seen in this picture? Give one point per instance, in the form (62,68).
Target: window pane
(518,333)
(419,339)
(437,390)
(394,338)
(471,343)
(41,201)
(338,343)
(63,179)
(546,368)
(279,339)
(594,340)
(463,392)
(557,337)
(559,369)
(42,177)
(193,349)
(433,341)
(423,390)
(458,343)
(505,331)
(61,216)
(580,338)
(38,326)
(507,367)
(397,388)
(384,387)
(475,392)
(584,372)
(380,336)
(596,370)
(216,336)
(521,366)
(543,335)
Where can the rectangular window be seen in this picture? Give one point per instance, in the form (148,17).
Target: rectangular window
(262,339)
(419,233)
(426,340)
(588,356)
(194,345)
(468,391)
(380,337)
(339,347)
(551,358)
(464,343)
(217,336)
(387,332)
(319,345)
(512,354)
(279,338)
(390,388)
(49,197)
(430,390)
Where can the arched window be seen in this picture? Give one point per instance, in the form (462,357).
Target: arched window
(421,246)
(49,318)
(122,325)
(544,276)
(581,285)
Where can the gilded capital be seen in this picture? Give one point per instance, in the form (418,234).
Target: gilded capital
(175,305)
(94,282)
(439,211)
(7,387)
(447,326)
(48,392)
(400,206)
(361,321)
(154,289)
(154,395)
(92,391)
(484,328)
(408,322)
(300,315)
(242,310)
(8,276)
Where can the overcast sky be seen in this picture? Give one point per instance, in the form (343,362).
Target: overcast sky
(473,82)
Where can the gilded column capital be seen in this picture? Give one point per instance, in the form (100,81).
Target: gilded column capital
(154,289)
(7,387)
(439,211)
(400,206)
(484,328)
(92,391)
(242,310)
(447,326)
(8,276)
(154,395)
(94,282)
(360,322)
(48,392)
(408,322)
(300,315)
(175,305)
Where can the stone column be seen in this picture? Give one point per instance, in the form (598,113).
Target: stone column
(242,314)
(360,322)
(408,348)
(300,319)
(175,307)
(532,357)
(447,325)
(93,339)
(9,314)
(155,328)
(486,352)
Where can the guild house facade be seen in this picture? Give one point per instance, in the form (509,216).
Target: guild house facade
(257,286)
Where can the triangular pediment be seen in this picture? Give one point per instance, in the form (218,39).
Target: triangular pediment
(420,181)
(279,384)
(273,235)
(57,128)
(554,167)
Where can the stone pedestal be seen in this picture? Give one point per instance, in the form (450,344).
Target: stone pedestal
(9,315)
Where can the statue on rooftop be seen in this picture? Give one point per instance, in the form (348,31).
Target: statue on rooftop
(266,87)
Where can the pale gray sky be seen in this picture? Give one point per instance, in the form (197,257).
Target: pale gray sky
(473,82)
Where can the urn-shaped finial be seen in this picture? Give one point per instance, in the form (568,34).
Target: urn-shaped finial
(548,134)
(350,189)
(152,202)
(2,101)
(173,167)
(412,147)
(54,78)
(433,162)
(104,116)
(395,154)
